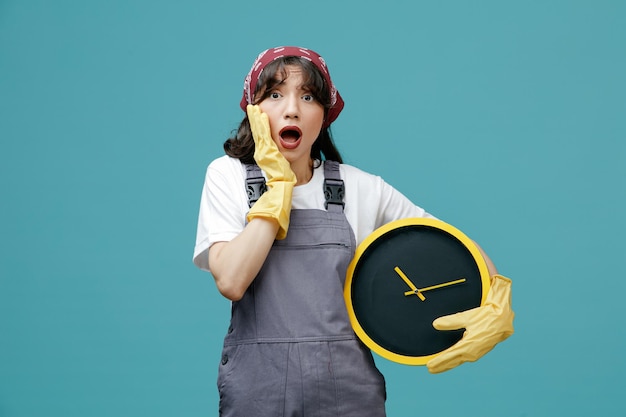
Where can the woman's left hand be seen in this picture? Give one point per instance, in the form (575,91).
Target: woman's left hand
(485,326)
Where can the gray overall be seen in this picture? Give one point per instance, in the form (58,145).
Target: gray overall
(290,350)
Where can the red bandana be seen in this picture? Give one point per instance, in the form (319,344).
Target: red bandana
(270,55)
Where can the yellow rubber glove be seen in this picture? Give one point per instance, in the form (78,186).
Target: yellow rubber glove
(485,326)
(275,203)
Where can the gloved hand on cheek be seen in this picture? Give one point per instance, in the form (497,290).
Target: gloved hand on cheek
(275,203)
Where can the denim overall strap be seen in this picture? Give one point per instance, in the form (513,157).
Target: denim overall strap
(333,185)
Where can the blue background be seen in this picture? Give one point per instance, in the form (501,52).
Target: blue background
(506,119)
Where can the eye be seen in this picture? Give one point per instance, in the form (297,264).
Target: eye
(274,95)
(308,97)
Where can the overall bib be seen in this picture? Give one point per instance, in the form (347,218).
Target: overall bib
(290,350)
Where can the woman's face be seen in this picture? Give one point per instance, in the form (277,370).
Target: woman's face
(295,118)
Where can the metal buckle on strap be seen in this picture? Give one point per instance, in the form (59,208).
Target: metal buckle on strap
(333,192)
(255,187)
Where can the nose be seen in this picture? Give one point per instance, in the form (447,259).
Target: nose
(292,107)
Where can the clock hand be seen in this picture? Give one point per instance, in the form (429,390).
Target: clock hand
(433,287)
(410,284)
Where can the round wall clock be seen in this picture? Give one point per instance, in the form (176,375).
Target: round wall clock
(405,275)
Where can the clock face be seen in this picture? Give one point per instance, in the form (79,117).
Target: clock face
(404,276)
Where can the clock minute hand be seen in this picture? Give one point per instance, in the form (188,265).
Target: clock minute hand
(433,287)
(409,283)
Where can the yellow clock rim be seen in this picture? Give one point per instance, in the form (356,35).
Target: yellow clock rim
(412,221)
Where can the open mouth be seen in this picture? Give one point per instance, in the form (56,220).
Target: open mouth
(290,136)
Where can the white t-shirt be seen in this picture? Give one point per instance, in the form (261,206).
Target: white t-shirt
(369,203)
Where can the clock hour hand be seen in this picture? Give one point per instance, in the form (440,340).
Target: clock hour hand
(434,287)
(412,286)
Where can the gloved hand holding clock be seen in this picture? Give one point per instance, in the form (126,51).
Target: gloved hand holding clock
(420,292)
(485,326)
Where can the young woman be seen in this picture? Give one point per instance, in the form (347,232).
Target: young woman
(280,253)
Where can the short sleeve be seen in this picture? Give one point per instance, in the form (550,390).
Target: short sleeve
(223,207)
(371,202)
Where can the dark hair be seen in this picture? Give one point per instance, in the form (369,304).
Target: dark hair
(241,145)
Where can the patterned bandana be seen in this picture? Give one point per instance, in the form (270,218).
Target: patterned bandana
(270,55)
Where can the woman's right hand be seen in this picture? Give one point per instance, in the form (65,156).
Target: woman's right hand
(234,264)
(276,202)
(266,153)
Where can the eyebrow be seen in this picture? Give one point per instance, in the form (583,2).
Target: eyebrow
(302,87)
